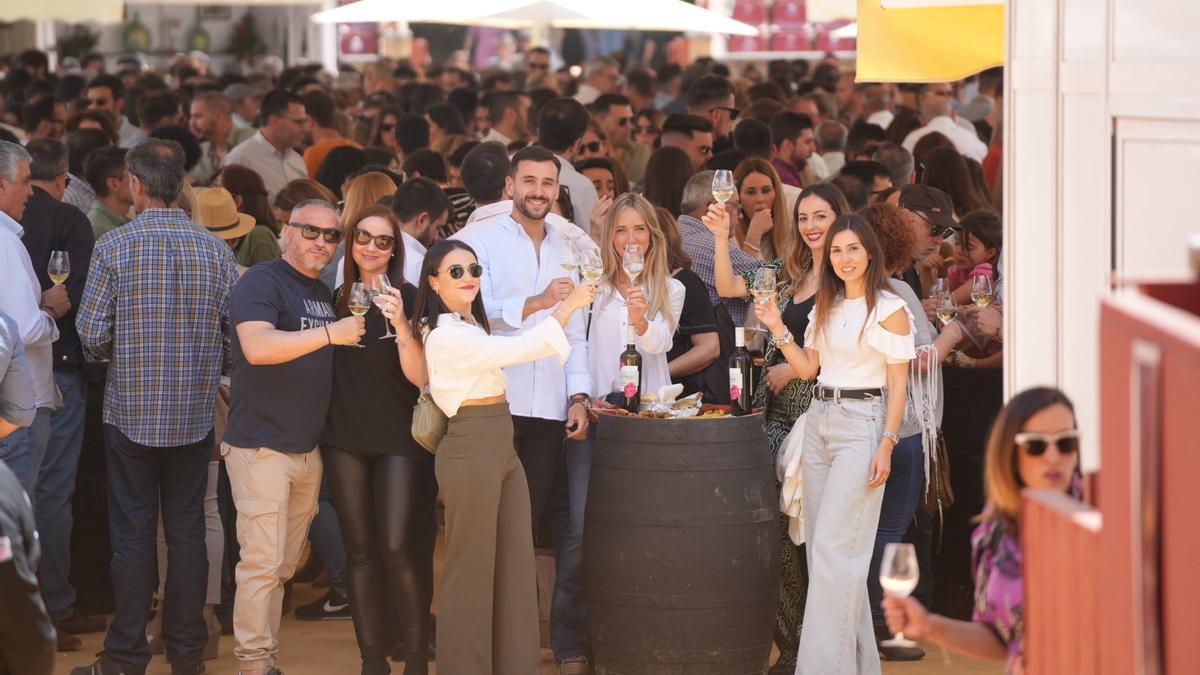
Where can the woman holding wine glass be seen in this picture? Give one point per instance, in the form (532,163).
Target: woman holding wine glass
(487,597)
(781,393)
(382,482)
(638,292)
(1034,444)
(858,344)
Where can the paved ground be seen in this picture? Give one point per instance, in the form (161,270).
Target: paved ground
(328,648)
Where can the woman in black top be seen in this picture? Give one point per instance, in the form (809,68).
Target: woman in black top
(381,480)
(696,344)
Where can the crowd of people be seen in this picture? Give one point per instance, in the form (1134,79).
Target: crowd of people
(344,249)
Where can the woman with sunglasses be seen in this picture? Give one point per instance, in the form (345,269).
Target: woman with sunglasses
(381,481)
(647,127)
(1034,444)
(487,596)
(857,345)
(594,142)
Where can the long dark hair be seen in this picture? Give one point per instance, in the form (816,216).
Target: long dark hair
(395,269)
(1001,476)
(831,287)
(798,258)
(244,182)
(946,170)
(429,305)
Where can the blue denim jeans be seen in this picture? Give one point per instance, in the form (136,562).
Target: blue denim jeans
(568,609)
(900,498)
(24,449)
(326,537)
(841,514)
(55,491)
(137,476)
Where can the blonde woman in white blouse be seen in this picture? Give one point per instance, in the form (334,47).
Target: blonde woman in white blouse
(487,596)
(858,345)
(652,305)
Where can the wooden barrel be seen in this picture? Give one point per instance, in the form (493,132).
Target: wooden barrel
(681,560)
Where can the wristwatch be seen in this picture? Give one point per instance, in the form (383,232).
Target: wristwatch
(584,400)
(892,436)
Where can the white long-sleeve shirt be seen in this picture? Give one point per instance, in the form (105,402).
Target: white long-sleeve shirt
(466,363)
(512,272)
(20,297)
(966,142)
(607,339)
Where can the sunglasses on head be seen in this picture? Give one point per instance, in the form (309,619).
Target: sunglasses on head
(331,235)
(457,271)
(594,146)
(1036,444)
(383,242)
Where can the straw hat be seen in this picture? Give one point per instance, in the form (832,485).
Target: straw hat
(215,209)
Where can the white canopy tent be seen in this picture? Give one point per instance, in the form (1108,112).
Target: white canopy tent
(672,15)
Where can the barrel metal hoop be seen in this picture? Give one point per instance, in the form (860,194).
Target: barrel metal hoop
(598,597)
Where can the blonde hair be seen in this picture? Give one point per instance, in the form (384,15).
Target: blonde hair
(656,276)
(363,191)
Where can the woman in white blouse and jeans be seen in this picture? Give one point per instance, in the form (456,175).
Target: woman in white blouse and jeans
(487,598)
(652,305)
(858,345)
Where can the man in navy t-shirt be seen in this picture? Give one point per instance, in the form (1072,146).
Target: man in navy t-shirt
(282,378)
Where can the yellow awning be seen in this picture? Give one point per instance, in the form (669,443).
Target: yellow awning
(928,44)
(70,11)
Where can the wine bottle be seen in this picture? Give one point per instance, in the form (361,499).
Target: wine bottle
(631,373)
(741,389)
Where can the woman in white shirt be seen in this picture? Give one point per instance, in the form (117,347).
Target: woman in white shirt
(487,598)
(652,305)
(858,345)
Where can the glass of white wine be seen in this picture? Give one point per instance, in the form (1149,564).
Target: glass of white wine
(633,262)
(570,259)
(981,290)
(378,289)
(359,301)
(947,308)
(898,575)
(764,285)
(60,266)
(591,266)
(723,186)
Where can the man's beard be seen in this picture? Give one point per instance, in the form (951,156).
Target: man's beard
(525,211)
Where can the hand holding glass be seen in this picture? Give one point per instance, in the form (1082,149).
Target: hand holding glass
(359,301)
(592,267)
(379,287)
(764,285)
(723,186)
(981,290)
(898,574)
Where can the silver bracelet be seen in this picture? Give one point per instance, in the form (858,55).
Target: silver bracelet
(786,339)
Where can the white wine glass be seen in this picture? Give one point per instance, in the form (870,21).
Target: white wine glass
(722,185)
(981,290)
(898,575)
(59,267)
(764,285)
(359,301)
(569,260)
(591,267)
(947,308)
(633,262)
(379,288)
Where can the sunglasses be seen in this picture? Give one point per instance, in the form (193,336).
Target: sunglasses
(646,130)
(537,66)
(386,127)
(457,271)
(1037,444)
(331,236)
(383,242)
(594,146)
(733,112)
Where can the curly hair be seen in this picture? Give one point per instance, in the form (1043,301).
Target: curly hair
(897,234)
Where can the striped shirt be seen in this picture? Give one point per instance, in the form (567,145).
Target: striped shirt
(157,306)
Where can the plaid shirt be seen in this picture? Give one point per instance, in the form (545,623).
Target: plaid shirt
(699,243)
(157,305)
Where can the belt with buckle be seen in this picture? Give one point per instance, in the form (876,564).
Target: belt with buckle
(835,394)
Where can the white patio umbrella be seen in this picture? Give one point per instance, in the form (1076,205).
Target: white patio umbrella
(71,11)
(617,14)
